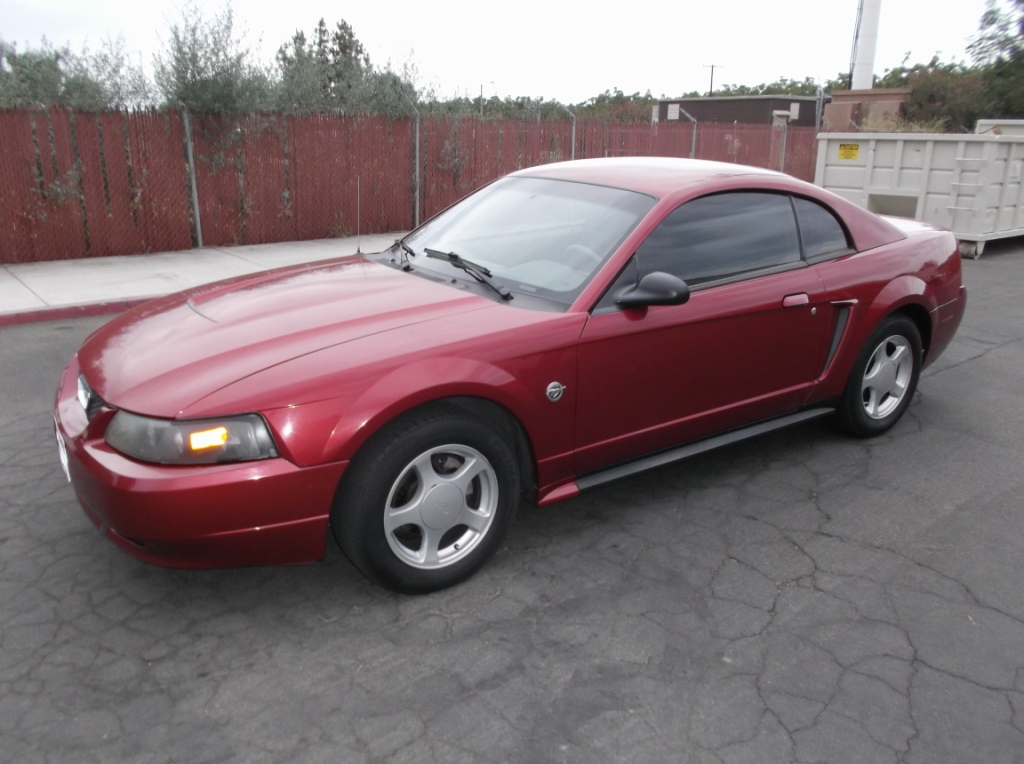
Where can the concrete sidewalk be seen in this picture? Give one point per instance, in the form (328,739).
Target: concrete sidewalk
(60,289)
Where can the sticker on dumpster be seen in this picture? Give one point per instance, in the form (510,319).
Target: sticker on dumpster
(849,150)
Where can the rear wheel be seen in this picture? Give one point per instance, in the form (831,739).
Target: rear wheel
(427,500)
(883,379)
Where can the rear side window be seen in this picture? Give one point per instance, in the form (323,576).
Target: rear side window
(723,235)
(820,230)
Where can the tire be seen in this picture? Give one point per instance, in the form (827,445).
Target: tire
(883,379)
(427,500)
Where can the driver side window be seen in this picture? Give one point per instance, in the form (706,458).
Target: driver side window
(722,235)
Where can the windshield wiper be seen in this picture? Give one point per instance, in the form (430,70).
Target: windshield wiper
(407,252)
(479,272)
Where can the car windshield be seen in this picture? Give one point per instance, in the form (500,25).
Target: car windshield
(534,235)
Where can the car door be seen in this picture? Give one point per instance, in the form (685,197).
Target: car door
(748,344)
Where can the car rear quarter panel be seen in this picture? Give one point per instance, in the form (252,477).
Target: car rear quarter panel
(920,275)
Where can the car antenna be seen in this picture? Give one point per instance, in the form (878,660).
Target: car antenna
(358,213)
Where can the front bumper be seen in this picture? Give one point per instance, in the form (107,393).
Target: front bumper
(268,512)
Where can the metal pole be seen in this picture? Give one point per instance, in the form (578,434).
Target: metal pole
(693,131)
(186,118)
(416,175)
(711,88)
(416,168)
(572,150)
(782,158)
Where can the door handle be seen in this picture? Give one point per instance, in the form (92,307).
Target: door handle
(793,300)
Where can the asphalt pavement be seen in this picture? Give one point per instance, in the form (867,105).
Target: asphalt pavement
(802,597)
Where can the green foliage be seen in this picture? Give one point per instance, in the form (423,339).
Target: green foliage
(385,91)
(207,68)
(121,81)
(326,73)
(1000,34)
(493,107)
(32,77)
(782,86)
(206,65)
(998,52)
(898,124)
(1004,88)
(300,87)
(840,82)
(948,95)
(615,106)
(56,76)
(332,72)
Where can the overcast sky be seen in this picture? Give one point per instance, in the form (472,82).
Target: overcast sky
(545,48)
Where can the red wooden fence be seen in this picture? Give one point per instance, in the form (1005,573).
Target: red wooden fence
(76,184)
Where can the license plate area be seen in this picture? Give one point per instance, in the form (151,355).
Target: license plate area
(62,451)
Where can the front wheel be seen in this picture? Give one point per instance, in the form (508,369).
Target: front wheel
(427,500)
(883,379)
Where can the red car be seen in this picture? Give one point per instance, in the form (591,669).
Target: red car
(563,327)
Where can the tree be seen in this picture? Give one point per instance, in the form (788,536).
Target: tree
(328,72)
(947,95)
(615,106)
(57,76)
(1000,33)
(30,78)
(840,82)
(998,50)
(348,61)
(300,87)
(386,91)
(207,68)
(782,86)
(123,81)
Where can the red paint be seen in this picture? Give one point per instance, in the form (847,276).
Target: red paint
(115,183)
(330,353)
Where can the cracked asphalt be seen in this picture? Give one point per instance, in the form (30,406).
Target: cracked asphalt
(803,597)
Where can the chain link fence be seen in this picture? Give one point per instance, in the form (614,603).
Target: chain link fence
(78,184)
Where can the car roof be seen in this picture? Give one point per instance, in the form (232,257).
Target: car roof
(663,177)
(657,176)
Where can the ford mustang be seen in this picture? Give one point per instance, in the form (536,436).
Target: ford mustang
(564,326)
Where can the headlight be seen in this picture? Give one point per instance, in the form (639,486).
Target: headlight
(199,441)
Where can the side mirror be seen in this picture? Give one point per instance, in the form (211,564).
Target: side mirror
(658,288)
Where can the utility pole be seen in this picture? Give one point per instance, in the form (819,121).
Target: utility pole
(712,67)
(865,39)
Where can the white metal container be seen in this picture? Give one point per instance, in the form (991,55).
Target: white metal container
(970,184)
(999,126)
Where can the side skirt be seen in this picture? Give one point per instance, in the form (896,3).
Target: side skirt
(620,471)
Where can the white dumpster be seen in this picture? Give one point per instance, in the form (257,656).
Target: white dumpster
(970,184)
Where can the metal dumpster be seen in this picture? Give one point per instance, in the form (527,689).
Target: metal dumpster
(970,184)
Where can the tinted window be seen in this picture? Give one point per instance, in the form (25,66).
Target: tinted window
(821,232)
(722,235)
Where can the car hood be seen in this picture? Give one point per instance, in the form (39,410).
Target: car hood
(161,357)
